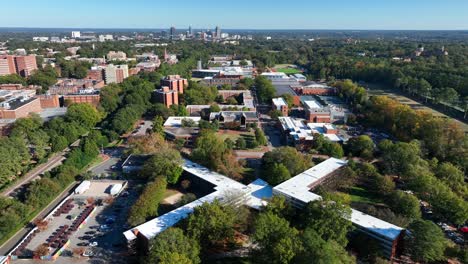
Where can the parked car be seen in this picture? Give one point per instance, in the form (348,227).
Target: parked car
(93,244)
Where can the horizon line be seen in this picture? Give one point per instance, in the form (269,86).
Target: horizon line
(244,29)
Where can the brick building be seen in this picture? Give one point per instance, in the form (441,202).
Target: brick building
(95,74)
(316,113)
(92,99)
(166,96)
(280,105)
(115,73)
(175,82)
(22,65)
(7,65)
(19,108)
(49,101)
(313,88)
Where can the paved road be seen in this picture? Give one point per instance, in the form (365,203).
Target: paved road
(115,155)
(142,128)
(53,162)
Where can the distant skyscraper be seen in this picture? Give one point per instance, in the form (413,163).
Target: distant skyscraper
(76,34)
(218,32)
(190,31)
(172,32)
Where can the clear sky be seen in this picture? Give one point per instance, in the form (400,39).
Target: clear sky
(237,14)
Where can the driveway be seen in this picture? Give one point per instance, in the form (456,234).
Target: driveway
(107,166)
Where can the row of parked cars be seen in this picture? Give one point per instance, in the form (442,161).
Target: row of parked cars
(454,234)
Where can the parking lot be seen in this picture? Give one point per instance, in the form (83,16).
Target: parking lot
(100,238)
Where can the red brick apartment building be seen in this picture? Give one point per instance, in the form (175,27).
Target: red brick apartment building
(166,96)
(22,65)
(175,82)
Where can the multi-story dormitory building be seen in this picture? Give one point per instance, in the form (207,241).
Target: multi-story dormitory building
(296,190)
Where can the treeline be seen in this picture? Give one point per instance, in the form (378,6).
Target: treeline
(431,159)
(44,139)
(124,104)
(163,167)
(31,140)
(440,138)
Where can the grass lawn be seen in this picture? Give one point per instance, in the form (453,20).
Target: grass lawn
(361,195)
(289,70)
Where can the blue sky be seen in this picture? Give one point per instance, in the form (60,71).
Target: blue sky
(237,14)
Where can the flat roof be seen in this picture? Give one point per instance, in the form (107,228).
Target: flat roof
(176,121)
(279,101)
(260,191)
(224,186)
(312,104)
(375,225)
(297,188)
(157,225)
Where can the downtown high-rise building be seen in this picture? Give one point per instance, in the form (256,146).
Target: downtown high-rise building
(218,32)
(190,31)
(172,32)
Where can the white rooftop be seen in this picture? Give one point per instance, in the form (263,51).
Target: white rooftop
(176,121)
(224,186)
(255,195)
(260,191)
(157,225)
(312,104)
(298,129)
(279,101)
(375,225)
(297,187)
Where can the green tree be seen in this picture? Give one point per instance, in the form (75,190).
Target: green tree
(260,137)
(361,146)
(147,204)
(158,123)
(240,143)
(265,89)
(426,241)
(293,160)
(277,241)
(173,241)
(165,162)
(276,174)
(321,251)
(211,224)
(84,114)
(330,219)
(405,204)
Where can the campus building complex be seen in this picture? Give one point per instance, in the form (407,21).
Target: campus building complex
(297,191)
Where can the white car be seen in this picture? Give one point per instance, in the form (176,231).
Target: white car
(93,244)
(88,254)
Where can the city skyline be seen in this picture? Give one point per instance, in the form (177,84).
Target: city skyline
(332,15)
